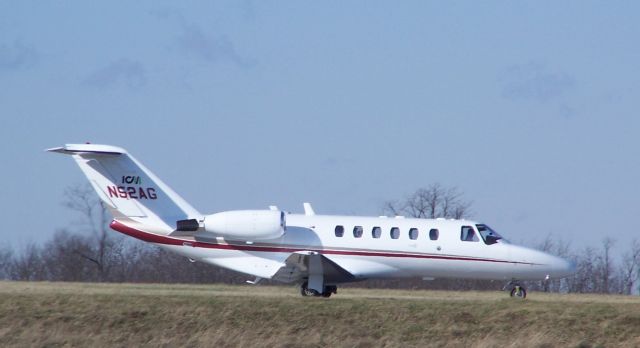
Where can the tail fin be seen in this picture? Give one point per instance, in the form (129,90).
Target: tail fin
(128,189)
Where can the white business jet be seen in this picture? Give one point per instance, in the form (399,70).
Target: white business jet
(316,251)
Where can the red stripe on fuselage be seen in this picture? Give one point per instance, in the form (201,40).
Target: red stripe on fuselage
(160,239)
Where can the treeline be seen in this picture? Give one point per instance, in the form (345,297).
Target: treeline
(94,253)
(79,257)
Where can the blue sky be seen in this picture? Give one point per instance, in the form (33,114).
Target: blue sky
(529,108)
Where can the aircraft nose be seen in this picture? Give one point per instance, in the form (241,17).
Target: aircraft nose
(563,268)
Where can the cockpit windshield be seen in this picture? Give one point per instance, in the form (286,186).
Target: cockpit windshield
(488,235)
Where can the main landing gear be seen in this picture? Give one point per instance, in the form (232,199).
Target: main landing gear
(516,290)
(328,290)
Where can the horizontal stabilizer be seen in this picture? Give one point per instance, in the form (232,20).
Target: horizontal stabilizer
(71,149)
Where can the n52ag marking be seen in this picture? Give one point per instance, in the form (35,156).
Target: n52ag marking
(132,192)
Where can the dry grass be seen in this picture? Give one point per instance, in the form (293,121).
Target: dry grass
(68,314)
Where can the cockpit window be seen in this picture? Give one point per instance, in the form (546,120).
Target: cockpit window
(488,235)
(467,234)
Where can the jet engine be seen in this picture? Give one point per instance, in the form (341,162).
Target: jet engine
(246,224)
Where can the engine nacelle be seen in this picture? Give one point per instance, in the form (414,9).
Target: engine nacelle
(246,224)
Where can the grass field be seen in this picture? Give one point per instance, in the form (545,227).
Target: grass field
(83,315)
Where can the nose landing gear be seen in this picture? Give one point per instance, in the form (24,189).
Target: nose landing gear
(516,290)
(519,292)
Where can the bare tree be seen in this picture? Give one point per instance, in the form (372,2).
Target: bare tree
(434,201)
(6,258)
(630,268)
(63,258)
(582,280)
(84,200)
(29,265)
(604,267)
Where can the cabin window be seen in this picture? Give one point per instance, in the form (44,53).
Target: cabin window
(376,232)
(339,231)
(434,233)
(357,231)
(395,233)
(467,234)
(413,233)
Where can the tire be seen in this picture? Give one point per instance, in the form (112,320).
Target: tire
(305,291)
(519,292)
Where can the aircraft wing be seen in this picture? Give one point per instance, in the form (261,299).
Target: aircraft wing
(301,264)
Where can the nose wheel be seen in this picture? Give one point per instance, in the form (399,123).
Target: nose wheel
(517,290)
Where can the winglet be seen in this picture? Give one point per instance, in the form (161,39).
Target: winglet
(308,209)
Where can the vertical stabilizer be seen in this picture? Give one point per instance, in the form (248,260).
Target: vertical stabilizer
(128,189)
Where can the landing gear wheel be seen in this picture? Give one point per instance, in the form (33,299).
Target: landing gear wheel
(305,291)
(328,290)
(519,292)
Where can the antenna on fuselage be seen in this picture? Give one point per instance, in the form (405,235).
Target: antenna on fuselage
(308,209)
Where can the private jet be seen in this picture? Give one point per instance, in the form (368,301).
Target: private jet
(318,252)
